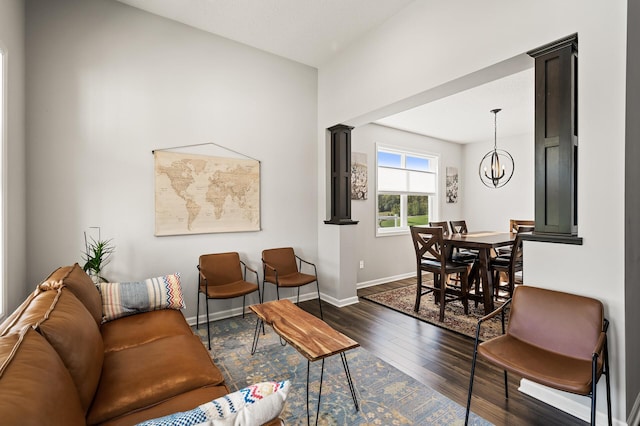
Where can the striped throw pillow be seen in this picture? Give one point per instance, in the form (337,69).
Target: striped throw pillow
(129,298)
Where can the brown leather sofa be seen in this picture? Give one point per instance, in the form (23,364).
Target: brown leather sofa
(60,366)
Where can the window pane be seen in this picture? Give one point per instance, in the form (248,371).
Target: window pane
(417,210)
(389,159)
(418,163)
(389,211)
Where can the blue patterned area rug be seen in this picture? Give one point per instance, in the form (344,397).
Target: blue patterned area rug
(386,395)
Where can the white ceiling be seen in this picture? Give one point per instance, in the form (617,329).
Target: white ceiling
(466,117)
(307,31)
(313,31)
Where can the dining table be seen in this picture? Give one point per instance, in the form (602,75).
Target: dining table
(483,242)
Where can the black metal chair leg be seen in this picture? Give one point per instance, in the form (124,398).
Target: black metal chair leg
(298,297)
(208,326)
(594,387)
(198,312)
(319,300)
(473,370)
(244,297)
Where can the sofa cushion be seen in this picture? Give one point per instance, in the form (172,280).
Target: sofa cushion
(254,405)
(75,336)
(31,312)
(35,386)
(144,375)
(129,298)
(80,284)
(139,329)
(183,402)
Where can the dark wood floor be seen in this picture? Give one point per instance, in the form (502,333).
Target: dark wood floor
(438,358)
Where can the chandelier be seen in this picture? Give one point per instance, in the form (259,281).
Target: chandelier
(497,166)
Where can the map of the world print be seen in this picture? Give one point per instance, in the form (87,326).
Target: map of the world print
(197,194)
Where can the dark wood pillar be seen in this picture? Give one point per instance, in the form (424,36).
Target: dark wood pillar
(340,175)
(556,141)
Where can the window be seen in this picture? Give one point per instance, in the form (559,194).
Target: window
(406,189)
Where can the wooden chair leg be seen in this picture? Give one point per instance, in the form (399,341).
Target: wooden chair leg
(442,296)
(464,288)
(416,305)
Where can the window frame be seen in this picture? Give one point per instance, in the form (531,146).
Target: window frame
(434,159)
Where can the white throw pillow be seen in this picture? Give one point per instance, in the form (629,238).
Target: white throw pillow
(253,405)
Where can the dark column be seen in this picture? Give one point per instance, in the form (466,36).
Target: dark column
(340,175)
(556,141)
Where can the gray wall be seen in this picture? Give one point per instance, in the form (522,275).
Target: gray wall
(12,26)
(386,257)
(106,85)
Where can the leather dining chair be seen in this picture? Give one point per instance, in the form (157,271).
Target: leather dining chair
(509,264)
(431,257)
(282,268)
(553,338)
(223,276)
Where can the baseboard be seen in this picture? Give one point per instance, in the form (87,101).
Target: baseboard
(366,284)
(303,297)
(340,303)
(577,406)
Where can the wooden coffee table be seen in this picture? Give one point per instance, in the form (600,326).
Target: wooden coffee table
(311,336)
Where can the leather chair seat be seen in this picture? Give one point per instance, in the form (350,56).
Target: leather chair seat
(542,366)
(295,279)
(228,291)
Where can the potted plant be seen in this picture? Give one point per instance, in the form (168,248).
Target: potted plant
(97,254)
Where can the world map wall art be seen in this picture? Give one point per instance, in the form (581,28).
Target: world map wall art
(198,194)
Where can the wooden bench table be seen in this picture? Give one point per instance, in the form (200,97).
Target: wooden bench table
(309,335)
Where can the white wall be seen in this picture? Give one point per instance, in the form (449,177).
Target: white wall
(389,256)
(12,27)
(427,45)
(491,209)
(106,85)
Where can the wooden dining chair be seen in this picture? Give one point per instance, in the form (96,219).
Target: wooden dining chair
(514,224)
(553,338)
(223,276)
(458,226)
(431,257)
(282,268)
(509,264)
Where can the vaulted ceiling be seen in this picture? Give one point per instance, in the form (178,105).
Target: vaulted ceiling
(314,31)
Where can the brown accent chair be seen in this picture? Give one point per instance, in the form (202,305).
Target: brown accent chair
(509,264)
(553,338)
(431,257)
(223,276)
(282,268)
